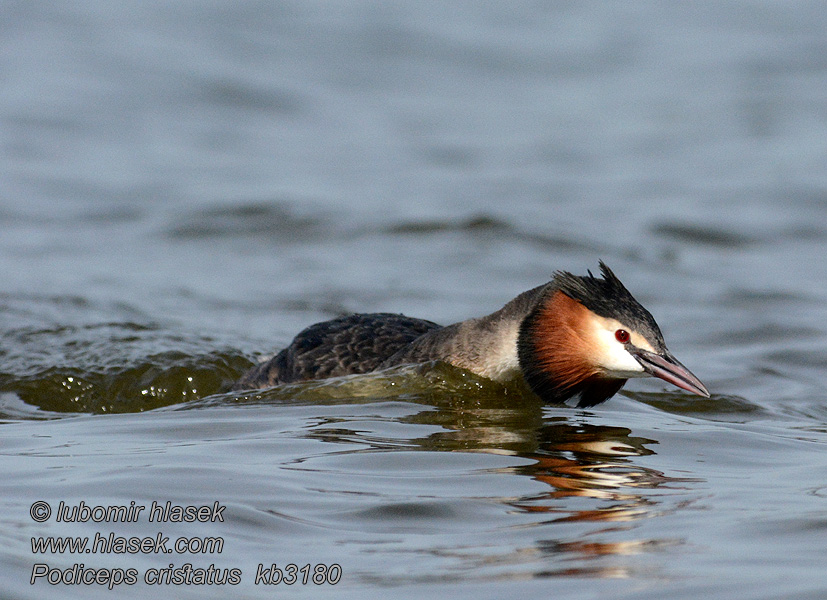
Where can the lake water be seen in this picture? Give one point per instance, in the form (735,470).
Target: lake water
(185,186)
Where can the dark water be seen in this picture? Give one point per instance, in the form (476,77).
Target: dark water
(184,186)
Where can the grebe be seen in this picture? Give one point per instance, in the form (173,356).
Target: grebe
(573,337)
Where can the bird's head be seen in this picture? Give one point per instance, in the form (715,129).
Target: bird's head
(587,336)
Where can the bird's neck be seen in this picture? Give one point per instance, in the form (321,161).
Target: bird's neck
(554,355)
(487,345)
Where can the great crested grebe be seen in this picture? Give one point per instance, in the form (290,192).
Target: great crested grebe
(575,336)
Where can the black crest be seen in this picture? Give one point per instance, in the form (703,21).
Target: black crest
(608,297)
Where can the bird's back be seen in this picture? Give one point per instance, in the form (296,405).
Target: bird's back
(348,345)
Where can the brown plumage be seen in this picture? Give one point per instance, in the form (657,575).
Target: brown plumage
(575,336)
(558,354)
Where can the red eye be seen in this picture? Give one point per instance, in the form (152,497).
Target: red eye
(622,336)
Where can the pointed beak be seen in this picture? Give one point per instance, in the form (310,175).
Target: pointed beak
(668,368)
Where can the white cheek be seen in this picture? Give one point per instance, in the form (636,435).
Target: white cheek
(614,358)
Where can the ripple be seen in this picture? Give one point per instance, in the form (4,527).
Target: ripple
(112,367)
(269,219)
(718,407)
(246,95)
(472,224)
(750,298)
(701,235)
(488,226)
(766,334)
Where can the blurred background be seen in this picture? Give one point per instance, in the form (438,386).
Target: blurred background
(216,163)
(244,169)
(185,185)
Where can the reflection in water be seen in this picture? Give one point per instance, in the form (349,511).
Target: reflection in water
(572,458)
(596,489)
(575,459)
(592,473)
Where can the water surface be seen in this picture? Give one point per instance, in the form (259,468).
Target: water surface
(185,187)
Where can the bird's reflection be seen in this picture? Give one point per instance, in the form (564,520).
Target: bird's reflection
(572,456)
(591,473)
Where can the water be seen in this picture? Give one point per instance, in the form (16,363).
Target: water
(186,186)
